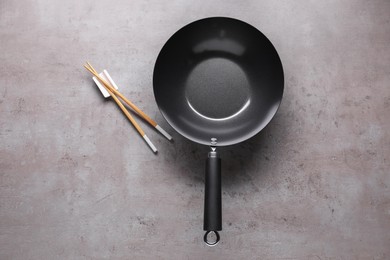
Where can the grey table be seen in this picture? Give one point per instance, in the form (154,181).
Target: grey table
(77,182)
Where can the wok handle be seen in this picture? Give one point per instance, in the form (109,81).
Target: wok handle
(212,201)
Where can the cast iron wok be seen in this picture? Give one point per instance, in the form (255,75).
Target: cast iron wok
(217,81)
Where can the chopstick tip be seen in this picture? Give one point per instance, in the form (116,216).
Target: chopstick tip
(163,132)
(154,149)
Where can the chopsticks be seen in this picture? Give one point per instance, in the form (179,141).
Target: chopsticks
(114,93)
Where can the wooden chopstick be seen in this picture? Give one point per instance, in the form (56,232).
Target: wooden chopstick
(136,109)
(128,115)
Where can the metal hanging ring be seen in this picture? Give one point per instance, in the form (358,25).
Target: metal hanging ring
(206,238)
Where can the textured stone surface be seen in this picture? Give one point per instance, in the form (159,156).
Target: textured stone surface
(77,182)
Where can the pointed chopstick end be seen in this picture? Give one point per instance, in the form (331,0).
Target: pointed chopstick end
(164,133)
(147,140)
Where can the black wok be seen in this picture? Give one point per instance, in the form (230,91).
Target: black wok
(217,81)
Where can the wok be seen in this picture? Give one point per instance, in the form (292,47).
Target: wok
(217,81)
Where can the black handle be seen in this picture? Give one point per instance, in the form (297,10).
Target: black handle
(212,201)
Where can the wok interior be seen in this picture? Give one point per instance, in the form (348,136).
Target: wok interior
(218,78)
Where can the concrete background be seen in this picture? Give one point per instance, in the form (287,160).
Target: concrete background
(77,182)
